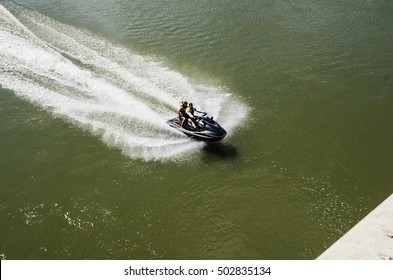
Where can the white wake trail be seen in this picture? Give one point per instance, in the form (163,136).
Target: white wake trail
(122,97)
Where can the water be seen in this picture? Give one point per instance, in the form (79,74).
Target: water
(89,169)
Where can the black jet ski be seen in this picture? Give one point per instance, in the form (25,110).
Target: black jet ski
(208,129)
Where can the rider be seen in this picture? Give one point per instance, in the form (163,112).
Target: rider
(184,116)
(182,112)
(190,112)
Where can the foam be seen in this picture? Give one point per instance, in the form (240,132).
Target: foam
(122,97)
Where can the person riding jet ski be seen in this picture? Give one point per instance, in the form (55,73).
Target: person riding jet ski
(190,111)
(196,127)
(186,113)
(183,116)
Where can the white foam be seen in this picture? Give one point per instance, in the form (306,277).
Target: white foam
(122,97)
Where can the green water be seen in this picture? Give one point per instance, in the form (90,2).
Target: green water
(90,170)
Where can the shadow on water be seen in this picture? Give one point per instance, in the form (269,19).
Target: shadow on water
(220,151)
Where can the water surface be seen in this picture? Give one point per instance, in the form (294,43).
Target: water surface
(90,170)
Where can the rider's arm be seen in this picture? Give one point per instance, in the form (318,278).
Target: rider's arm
(202,113)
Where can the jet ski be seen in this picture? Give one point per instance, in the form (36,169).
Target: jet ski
(208,129)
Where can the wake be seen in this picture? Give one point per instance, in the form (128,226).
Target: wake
(119,96)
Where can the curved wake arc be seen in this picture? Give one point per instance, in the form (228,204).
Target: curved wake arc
(122,97)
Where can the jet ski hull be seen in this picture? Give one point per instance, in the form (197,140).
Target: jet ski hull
(209,130)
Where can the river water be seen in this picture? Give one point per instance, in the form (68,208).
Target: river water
(90,170)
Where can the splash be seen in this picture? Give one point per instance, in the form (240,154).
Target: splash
(122,97)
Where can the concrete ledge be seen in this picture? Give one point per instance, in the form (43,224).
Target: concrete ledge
(370,239)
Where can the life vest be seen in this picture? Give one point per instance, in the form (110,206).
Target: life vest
(190,110)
